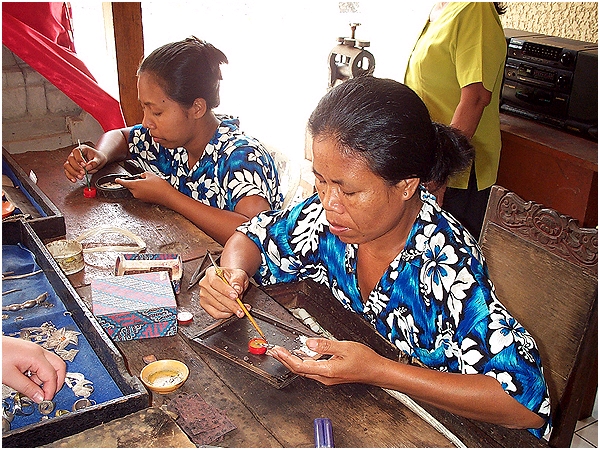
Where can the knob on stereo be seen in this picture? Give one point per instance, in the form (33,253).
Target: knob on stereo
(562,81)
(566,59)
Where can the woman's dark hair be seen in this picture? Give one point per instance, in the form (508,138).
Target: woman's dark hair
(500,8)
(187,70)
(388,125)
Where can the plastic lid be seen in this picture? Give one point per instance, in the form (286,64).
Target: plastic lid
(184,317)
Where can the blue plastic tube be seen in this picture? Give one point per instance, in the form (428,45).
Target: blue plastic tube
(323,433)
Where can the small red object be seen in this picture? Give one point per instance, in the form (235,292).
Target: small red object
(257,346)
(89,192)
(7,208)
(149,358)
(184,317)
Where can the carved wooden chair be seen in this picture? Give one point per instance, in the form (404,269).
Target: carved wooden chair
(545,269)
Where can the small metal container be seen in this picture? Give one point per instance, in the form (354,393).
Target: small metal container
(165,375)
(107,187)
(68,254)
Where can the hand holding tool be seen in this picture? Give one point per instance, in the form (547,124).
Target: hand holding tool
(221,275)
(87,177)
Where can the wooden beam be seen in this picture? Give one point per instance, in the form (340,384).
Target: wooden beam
(129,50)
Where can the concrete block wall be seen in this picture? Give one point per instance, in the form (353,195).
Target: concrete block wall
(36,115)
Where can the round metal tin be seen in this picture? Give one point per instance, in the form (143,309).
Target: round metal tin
(107,187)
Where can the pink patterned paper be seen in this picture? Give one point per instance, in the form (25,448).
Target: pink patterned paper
(135,306)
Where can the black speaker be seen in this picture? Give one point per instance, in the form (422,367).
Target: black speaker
(583,105)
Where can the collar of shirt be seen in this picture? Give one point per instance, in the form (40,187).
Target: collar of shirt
(423,227)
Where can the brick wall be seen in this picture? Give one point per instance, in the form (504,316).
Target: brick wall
(35,114)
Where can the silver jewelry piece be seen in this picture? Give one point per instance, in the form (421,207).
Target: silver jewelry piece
(52,339)
(46,407)
(26,304)
(80,386)
(23,406)
(6,412)
(59,340)
(8,276)
(7,392)
(83,403)
(10,291)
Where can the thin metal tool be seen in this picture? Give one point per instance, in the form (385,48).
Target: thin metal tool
(8,276)
(199,273)
(221,275)
(87,177)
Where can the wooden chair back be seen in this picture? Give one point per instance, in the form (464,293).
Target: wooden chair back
(545,270)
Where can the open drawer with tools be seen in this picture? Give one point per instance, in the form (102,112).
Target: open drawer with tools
(286,313)
(40,305)
(23,199)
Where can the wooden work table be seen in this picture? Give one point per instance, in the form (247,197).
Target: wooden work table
(362,416)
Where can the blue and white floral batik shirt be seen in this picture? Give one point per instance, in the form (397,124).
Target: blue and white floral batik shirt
(233,166)
(435,301)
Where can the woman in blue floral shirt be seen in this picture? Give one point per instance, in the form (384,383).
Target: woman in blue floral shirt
(385,249)
(196,162)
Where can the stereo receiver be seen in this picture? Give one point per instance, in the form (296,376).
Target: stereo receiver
(552,80)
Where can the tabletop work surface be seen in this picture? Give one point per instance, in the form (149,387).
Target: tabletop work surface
(263,415)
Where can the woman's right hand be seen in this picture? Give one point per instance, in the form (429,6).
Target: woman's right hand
(82,158)
(218,298)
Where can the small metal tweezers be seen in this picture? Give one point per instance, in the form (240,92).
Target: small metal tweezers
(199,273)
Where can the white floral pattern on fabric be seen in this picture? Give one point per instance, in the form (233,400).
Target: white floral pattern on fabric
(505,379)
(435,301)
(437,273)
(233,166)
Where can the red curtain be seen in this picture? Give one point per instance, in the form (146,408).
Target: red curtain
(40,33)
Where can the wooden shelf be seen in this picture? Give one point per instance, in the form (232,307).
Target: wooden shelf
(551,167)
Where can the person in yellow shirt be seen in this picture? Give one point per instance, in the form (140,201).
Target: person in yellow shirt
(456,67)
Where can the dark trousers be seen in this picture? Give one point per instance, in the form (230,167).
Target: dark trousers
(468,205)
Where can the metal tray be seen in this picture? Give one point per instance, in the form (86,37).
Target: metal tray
(329,313)
(117,191)
(229,338)
(44,217)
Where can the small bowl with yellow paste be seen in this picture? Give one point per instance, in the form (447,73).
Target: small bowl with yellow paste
(164,376)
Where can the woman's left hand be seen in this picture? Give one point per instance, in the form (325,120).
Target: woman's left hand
(349,361)
(149,188)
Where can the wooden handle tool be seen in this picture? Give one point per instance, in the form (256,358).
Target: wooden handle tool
(221,275)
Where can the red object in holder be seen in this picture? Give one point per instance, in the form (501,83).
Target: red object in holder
(257,346)
(89,192)
(184,317)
